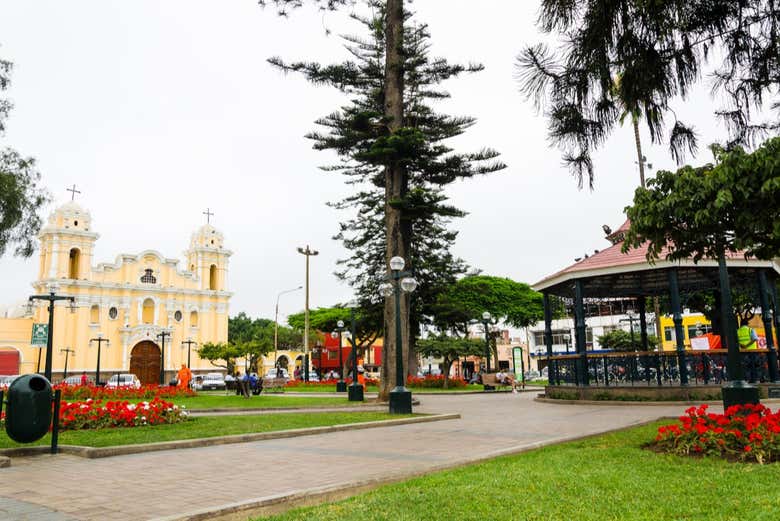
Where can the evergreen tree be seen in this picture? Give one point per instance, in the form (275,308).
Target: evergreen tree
(361,133)
(21,197)
(658,50)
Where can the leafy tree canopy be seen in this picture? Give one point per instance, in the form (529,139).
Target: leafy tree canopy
(449,349)
(657,51)
(707,211)
(326,320)
(21,196)
(619,340)
(514,303)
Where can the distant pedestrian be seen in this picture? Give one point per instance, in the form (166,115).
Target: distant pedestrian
(84,379)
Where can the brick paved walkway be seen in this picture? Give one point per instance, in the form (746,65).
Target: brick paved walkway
(158,484)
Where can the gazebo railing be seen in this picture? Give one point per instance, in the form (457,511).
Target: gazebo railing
(653,368)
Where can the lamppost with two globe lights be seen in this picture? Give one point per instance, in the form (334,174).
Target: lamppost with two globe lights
(341,385)
(396,282)
(487,322)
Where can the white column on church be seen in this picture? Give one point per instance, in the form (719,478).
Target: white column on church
(55,258)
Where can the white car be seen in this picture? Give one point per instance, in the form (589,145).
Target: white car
(272,373)
(211,381)
(123,380)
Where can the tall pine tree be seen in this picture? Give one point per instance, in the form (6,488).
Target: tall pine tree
(365,138)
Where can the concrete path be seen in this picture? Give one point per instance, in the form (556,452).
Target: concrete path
(171,483)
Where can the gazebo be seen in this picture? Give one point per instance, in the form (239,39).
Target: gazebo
(611,274)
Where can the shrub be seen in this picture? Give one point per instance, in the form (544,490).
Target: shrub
(619,340)
(743,432)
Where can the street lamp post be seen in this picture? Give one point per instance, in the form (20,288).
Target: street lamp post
(487,321)
(355,393)
(308,252)
(276,322)
(567,340)
(162,336)
(397,281)
(100,339)
(52,297)
(189,342)
(341,385)
(67,351)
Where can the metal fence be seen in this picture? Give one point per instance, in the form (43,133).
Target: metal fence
(652,368)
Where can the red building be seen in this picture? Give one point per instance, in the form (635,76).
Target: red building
(325,357)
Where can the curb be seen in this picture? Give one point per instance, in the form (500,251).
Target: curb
(122,450)
(270,410)
(278,503)
(542,399)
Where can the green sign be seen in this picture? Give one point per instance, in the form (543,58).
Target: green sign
(517,354)
(40,335)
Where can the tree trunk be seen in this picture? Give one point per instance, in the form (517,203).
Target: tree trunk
(395,189)
(640,158)
(446,365)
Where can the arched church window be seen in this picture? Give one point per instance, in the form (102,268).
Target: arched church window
(148,277)
(194,319)
(94,314)
(73,266)
(147,317)
(213,277)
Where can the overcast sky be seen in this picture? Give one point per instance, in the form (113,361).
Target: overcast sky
(157,110)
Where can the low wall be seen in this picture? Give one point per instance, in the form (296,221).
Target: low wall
(643,394)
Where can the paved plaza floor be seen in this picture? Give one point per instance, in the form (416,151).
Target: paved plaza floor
(175,483)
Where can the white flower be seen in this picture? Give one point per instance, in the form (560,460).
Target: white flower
(130,407)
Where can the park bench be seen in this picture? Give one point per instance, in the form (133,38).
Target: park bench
(490,379)
(274,384)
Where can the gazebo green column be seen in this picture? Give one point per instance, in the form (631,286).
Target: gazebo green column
(642,322)
(579,335)
(551,374)
(766,317)
(736,391)
(674,297)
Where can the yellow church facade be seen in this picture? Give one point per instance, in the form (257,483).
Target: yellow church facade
(151,309)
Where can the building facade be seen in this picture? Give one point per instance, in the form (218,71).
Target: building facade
(135,303)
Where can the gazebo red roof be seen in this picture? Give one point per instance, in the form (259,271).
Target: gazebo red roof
(612,260)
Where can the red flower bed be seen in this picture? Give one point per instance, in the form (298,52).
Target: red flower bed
(145,392)
(743,432)
(292,384)
(94,414)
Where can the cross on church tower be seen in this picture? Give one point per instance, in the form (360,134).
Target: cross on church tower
(73,192)
(208,215)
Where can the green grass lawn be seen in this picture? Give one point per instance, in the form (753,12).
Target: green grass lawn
(301,388)
(263,401)
(204,427)
(604,478)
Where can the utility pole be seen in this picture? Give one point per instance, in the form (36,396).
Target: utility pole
(307,253)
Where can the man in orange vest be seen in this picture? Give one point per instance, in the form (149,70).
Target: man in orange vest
(184,376)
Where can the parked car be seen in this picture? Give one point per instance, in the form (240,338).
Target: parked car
(6,380)
(76,380)
(123,380)
(211,381)
(272,373)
